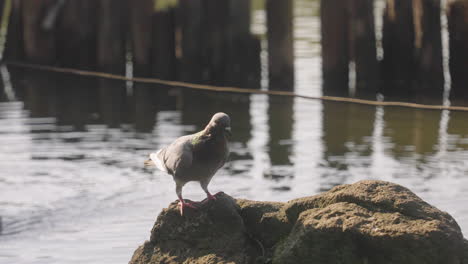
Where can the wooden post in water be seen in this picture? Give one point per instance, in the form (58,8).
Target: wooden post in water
(398,66)
(280,44)
(2,6)
(335,47)
(164,49)
(428,47)
(242,48)
(214,32)
(142,42)
(141,38)
(458,30)
(76,48)
(363,47)
(164,54)
(111,58)
(76,35)
(190,21)
(39,43)
(14,48)
(412,64)
(39,48)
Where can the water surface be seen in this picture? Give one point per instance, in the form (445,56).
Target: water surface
(73,189)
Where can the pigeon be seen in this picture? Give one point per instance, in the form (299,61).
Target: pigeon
(195,157)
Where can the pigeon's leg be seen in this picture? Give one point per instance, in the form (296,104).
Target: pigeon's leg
(182,203)
(204,185)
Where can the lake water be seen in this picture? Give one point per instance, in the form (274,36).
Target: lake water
(74,190)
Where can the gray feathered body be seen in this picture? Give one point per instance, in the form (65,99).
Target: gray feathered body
(194,157)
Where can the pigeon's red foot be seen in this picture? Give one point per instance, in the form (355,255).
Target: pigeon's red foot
(183,205)
(211,197)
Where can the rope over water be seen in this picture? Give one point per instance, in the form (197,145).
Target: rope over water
(231,89)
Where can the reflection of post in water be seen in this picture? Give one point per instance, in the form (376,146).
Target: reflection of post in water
(111,59)
(41,93)
(412,130)
(76,38)
(346,128)
(280,123)
(3,96)
(458,131)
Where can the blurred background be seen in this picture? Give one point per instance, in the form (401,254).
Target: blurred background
(72,184)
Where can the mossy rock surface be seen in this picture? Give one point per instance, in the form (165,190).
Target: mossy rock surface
(365,222)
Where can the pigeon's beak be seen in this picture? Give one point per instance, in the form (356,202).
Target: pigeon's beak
(228,131)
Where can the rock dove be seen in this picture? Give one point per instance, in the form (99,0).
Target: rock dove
(195,157)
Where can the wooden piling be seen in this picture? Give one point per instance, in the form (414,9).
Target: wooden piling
(412,64)
(76,35)
(190,22)
(428,44)
(2,7)
(39,48)
(39,43)
(76,48)
(214,40)
(164,49)
(111,36)
(141,28)
(141,14)
(363,47)
(335,47)
(165,62)
(458,32)
(280,44)
(111,28)
(250,75)
(14,48)
(242,48)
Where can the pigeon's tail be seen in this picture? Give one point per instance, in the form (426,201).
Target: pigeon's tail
(149,163)
(156,160)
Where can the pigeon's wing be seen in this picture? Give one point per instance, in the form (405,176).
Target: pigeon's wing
(158,160)
(176,157)
(225,155)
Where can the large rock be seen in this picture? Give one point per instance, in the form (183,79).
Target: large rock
(215,233)
(365,222)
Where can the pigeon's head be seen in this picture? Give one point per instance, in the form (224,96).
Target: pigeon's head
(220,124)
